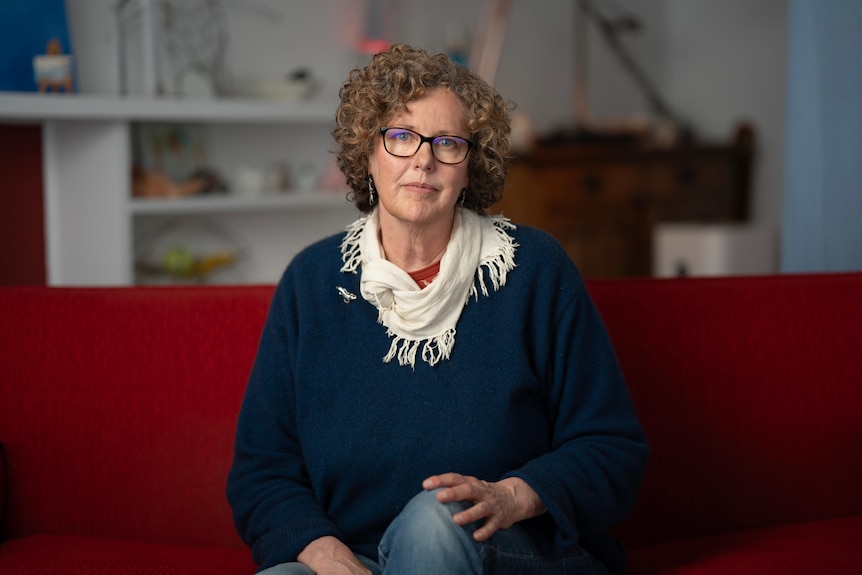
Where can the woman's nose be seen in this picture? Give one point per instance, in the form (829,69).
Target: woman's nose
(424,156)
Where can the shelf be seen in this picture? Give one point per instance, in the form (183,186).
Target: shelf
(240,204)
(92,217)
(33,106)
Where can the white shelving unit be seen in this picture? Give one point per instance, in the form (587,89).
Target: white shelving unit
(221,204)
(92,220)
(48,107)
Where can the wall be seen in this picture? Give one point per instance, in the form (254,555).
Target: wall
(274,37)
(726,63)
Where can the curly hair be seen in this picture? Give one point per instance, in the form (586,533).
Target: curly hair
(375,94)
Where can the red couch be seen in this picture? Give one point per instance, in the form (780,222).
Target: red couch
(117,412)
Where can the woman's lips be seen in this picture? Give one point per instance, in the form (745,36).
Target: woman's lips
(420,187)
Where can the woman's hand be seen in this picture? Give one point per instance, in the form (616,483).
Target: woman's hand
(329,556)
(500,504)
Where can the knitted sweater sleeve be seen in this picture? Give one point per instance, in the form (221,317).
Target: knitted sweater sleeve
(274,508)
(590,478)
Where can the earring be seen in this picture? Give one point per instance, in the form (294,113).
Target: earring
(462,198)
(371,192)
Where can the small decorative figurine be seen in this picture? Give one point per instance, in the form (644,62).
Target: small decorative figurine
(53,70)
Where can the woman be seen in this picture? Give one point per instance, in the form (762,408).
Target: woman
(434,391)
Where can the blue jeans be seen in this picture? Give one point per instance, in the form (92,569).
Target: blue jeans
(423,540)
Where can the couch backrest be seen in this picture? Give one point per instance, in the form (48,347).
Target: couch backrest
(118,405)
(118,408)
(750,391)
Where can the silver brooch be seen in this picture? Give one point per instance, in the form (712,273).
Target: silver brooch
(345,295)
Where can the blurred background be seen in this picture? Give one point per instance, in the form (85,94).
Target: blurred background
(655,137)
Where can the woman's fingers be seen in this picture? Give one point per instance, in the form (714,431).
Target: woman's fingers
(491,501)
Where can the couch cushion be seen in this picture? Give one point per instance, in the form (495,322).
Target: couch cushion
(118,409)
(831,546)
(748,390)
(51,554)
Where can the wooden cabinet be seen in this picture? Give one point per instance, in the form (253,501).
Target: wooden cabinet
(602,200)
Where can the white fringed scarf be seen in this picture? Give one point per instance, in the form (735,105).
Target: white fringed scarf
(426,318)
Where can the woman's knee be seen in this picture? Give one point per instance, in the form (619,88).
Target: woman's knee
(424,521)
(425,505)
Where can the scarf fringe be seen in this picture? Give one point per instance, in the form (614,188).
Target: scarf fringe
(351,254)
(434,349)
(500,264)
(493,269)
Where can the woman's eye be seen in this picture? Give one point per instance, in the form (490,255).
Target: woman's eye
(446,142)
(401,136)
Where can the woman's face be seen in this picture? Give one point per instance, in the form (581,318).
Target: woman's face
(419,190)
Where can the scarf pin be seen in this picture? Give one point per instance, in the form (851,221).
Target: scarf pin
(345,295)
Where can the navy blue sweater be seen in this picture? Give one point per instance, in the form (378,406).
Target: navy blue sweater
(333,441)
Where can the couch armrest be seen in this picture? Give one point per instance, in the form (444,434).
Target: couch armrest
(2,488)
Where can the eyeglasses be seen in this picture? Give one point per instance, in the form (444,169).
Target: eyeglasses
(404,143)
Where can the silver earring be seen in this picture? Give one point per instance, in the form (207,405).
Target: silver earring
(462,198)
(371,192)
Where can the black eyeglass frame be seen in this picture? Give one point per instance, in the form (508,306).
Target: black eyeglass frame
(430,140)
